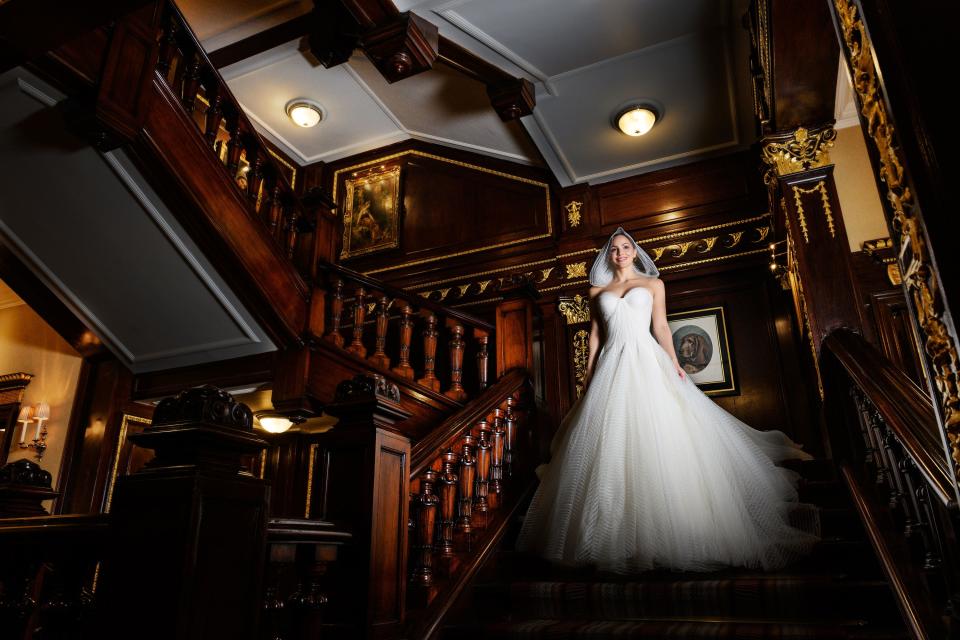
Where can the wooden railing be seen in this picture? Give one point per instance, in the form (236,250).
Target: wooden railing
(254,171)
(466,481)
(411,337)
(898,476)
(48,572)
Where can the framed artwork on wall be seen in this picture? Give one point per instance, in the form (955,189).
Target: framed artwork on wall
(371,212)
(703,349)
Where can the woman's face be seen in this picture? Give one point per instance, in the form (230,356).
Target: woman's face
(622,252)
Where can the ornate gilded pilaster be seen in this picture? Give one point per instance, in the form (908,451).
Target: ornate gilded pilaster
(576,311)
(800,178)
(915,255)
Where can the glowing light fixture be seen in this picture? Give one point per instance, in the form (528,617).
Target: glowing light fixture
(635,120)
(305,113)
(275,424)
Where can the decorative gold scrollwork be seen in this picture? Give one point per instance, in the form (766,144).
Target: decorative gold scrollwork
(576,270)
(918,275)
(573,212)
(581,354)
(576,310)
(820,187)
(798,151)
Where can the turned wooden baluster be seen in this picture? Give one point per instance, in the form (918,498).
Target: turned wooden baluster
(468,471)
(168,46)
(214,117)
(482,490)
(254,165)
(292,227)
(403,368)
(336,311)
(255,182)
(456,391)
(429,379)
(483,358)
(510,437)
(426,520)
(496,453)
(380,357)
(359,315)
(191,83)
(276,209)
(448,501)
(234,146)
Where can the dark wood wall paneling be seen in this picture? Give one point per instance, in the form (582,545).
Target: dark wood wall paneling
(670,207)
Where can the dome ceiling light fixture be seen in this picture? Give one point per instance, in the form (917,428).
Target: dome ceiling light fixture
(275,421)
(305,113)
(636,119)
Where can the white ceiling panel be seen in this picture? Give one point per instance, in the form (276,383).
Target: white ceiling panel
(354,121)
(555,37)
(687,77)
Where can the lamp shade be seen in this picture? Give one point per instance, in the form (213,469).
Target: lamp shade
(42,412)
(636,121)
(275,424)
(26,414)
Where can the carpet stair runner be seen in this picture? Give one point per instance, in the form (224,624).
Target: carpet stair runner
(838,592)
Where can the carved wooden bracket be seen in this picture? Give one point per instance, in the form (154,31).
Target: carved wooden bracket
(403,47)
(512,99)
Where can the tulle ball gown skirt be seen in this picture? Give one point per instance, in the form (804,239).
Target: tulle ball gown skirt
(647,472)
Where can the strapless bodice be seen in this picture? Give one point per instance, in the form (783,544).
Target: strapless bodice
(628,317)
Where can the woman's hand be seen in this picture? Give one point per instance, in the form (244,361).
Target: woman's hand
(680,371)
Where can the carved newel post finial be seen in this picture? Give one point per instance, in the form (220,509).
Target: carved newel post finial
(24,485)
(367,400)
(203,428)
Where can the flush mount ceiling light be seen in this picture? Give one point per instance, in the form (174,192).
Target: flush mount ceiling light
(636,119)
(305,113)
(275,422)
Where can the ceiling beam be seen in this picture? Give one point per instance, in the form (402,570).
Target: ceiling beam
(259,42)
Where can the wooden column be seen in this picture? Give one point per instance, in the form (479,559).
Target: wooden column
(368,463)
(808,196)
(189,528)
(403,367)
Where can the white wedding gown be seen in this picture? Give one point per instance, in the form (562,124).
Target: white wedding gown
(648,472)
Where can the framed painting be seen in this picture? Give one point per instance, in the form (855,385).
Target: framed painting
(703,349)
(371,212)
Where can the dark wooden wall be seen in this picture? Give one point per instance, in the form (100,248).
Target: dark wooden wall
(705,224)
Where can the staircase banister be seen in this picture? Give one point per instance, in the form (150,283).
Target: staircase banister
(40,527)
(210,68)
(397,293)
(299,530)
(904,406)
(428,449)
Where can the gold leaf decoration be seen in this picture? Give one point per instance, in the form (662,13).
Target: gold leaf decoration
(576,310)
(576,270)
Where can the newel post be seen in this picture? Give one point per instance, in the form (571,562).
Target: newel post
(189,530)
(368,463)
(514,328)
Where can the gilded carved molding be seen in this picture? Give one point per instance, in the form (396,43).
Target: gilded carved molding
(797,151)
(576,270)
(573,213)
(581,355)
(821,188)
(576,310)
(918,274)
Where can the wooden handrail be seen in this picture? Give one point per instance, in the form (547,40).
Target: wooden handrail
(904,406)
(296,530)
(395,292)
(34,527)
(426,451)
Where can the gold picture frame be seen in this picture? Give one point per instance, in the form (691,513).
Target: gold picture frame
(702,345)
(371,213)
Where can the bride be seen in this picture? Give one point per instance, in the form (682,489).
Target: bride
(646,471)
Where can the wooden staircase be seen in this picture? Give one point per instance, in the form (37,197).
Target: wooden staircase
(838,592)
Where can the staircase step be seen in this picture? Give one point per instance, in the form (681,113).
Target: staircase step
(812,469)
(823,493)
(759,596)
(840,523)
(656,629)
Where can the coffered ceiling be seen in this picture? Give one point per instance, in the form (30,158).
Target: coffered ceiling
(586,58)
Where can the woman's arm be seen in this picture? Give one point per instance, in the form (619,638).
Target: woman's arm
(661,330)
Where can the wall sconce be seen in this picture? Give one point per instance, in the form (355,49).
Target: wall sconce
(39,413)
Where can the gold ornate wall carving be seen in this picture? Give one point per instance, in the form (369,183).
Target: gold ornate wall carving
(581,355)
(797,151)
(821,188)
(576,310)
(573,213)
(915,260)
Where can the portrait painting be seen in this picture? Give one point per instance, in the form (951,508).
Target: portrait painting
(371,212)
(703,349)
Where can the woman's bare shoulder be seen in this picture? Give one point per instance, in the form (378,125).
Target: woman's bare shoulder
(595,291)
